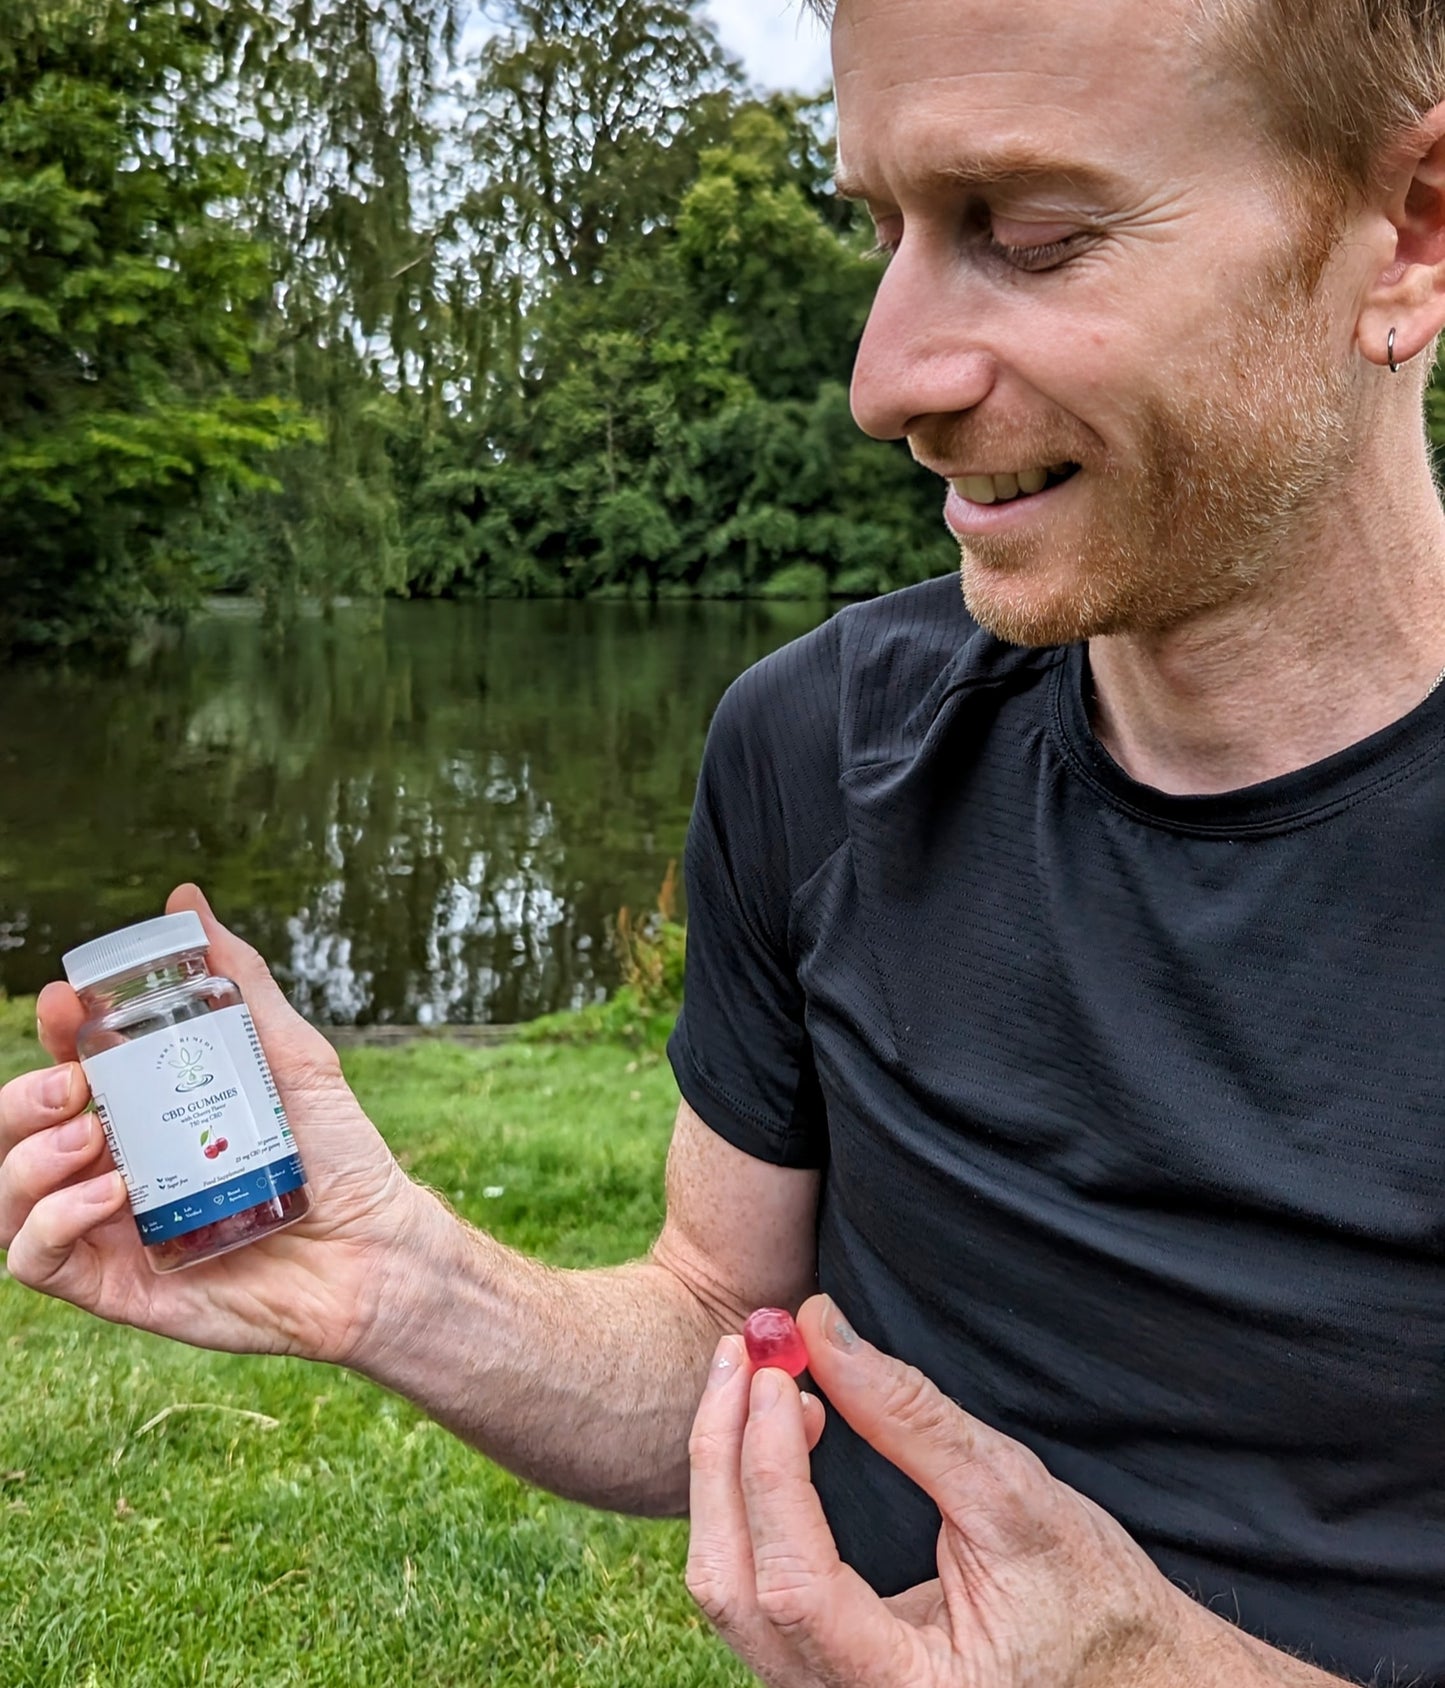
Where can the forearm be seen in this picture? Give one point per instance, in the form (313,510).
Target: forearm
(585,1382)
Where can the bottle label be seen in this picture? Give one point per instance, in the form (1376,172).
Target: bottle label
(194,1123)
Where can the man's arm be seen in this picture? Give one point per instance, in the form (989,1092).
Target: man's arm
(586,1382)
(583,1381)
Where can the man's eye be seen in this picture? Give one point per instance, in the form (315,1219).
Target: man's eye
(1033,255)
(1034,258)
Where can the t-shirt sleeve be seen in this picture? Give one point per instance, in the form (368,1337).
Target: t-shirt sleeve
(740,1050)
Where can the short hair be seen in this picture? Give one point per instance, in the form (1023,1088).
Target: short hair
(1338,81)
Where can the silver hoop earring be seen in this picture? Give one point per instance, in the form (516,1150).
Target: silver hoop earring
(1390,354)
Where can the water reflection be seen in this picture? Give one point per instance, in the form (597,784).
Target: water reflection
(429,815)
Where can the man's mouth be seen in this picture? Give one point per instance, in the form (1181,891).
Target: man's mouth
(1021,483)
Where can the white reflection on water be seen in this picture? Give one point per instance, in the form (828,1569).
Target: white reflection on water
(497,910)
(332,989)
(434,814)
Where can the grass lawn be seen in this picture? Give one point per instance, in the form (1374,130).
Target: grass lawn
(285,1523)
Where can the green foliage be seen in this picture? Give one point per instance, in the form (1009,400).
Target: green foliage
(281,313)
(125,300)
(641,1012)
(798,580)
(680,420)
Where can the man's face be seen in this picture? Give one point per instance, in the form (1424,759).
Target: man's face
(1094,279)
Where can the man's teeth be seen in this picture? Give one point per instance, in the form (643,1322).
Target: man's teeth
(999,489)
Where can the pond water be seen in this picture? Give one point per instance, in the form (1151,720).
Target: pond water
(430,813)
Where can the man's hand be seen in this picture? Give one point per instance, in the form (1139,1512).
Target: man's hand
(1037,1586)
(313,1289)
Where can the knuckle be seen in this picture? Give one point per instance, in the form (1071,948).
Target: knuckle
(34,1243)
(303,1073)
(21,1178)
(787,1590)
(309,1060)
(711,1590)
(921,1404)
(21,1111)
(705,1447)
(1021,1475)
(316,1069)
(1025,1501)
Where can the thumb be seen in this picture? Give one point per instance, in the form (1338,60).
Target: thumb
(969,1470)
(283,1031)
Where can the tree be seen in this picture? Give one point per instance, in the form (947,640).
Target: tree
(339,114)
(589,114)
(126,311)
(681,423)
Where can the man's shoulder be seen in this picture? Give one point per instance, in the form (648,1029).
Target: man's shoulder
(875,673)
(894,646)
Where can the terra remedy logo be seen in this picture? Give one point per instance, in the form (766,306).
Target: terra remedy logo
(190,1061)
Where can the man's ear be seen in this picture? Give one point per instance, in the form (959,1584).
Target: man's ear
(1407,294)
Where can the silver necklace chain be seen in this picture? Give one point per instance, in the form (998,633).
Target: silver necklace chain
(1435,687)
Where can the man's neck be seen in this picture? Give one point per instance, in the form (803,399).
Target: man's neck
(1345,640)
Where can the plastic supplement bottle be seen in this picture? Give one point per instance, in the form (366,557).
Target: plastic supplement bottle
(183,1092)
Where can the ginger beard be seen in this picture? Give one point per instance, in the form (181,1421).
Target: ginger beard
(1218,494)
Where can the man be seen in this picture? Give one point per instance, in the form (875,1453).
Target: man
(1064,974)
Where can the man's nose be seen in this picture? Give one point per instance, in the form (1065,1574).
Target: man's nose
(923,352)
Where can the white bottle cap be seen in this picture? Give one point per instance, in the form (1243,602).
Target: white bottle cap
(132,947)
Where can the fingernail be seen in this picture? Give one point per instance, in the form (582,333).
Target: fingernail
(102,1192)
(724,1362)
(74,1134)
(807,1399)
(839,1332)
(767,1390)
(55,1087)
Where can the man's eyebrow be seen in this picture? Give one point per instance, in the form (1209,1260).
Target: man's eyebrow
(1012,167)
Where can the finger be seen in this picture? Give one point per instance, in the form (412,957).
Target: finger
(47,1252)
(46,1161)
(818,1605)
(58,1019)
(719,1557)
(964,1465)
(231,956)
(35,1101)
(814,1419)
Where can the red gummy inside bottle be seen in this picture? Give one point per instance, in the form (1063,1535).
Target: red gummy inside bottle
(234,1231)
(773,1340)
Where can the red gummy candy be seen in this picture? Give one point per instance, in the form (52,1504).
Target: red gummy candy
(772,1340)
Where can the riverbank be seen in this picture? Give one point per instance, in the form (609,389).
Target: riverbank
(172,1517)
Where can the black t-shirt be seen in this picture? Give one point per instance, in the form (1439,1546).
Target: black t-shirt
(1130,1106)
